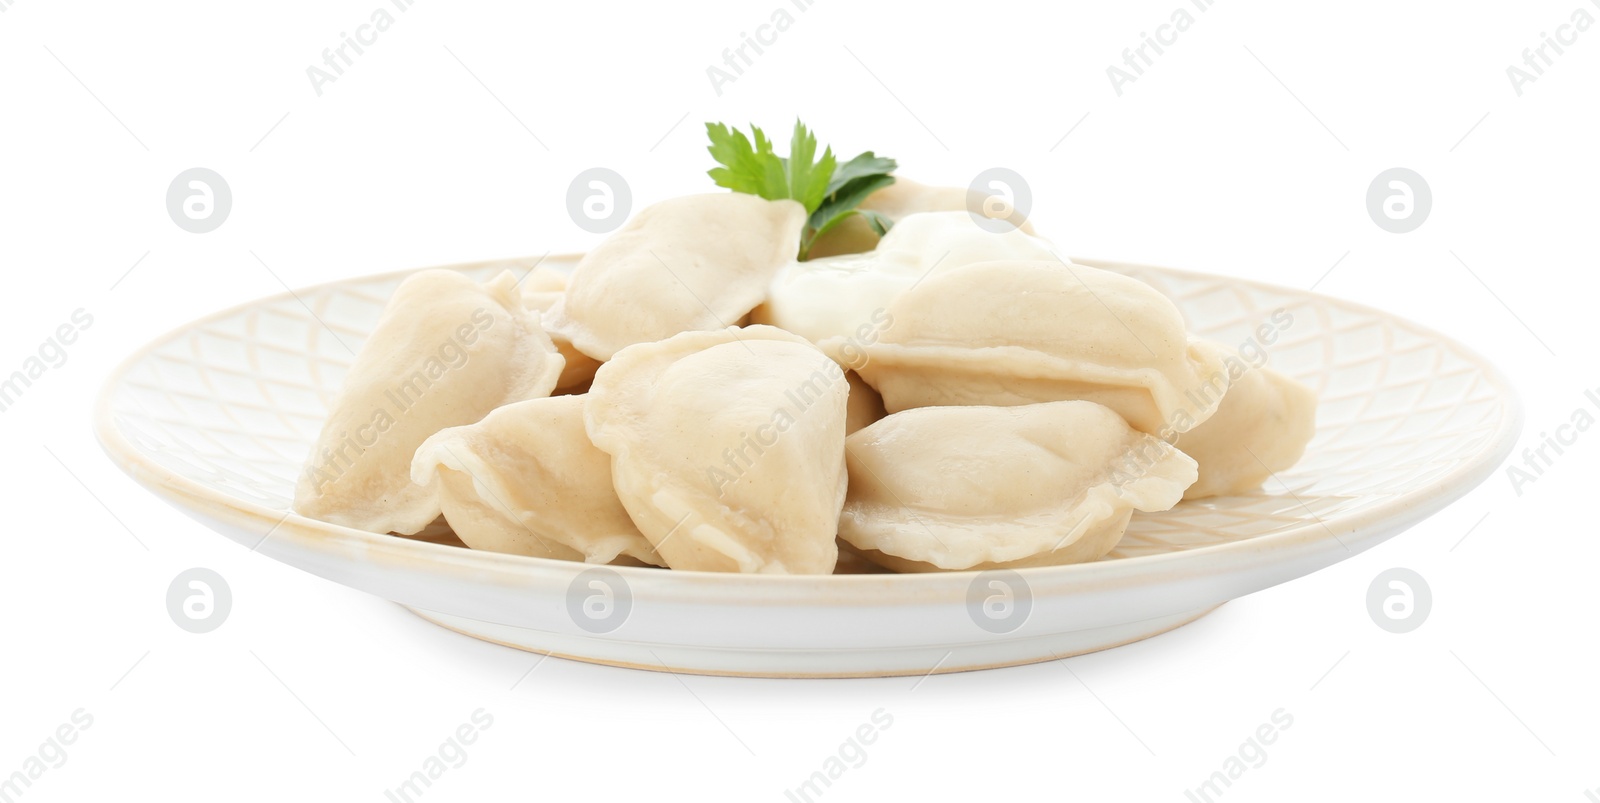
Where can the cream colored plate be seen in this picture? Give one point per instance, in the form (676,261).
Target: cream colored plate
(218,416)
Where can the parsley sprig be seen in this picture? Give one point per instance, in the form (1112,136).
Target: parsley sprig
(830,192)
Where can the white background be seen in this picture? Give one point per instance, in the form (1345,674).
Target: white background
(1208,161)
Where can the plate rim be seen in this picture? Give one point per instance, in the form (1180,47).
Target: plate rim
(1365,527)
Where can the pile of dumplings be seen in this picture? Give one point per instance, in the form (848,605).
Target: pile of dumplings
(944,398)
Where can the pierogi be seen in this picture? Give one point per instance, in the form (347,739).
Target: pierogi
(445,352)
(951,396)
(1020,332)
(727,448)
(696,263)
(526,481)
(949,488)
(1262,426)
(847,296)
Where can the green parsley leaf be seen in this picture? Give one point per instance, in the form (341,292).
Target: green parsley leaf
(755,170)
(829,191)
(808,182)
(867,164)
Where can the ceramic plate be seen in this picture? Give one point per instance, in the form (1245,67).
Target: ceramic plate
(218,416)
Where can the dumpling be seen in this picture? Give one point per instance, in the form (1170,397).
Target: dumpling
(1018,332)
(526,480)
(1262,426)
(697,263)
(949,488)
(847,296)
(898,201)
(541,289)
(727,448)
(445,352)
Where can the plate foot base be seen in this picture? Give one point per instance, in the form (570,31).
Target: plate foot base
(819,663)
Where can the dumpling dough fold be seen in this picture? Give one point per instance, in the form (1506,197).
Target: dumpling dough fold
(949,488)
(445,352)
(727,448)
(696,263)
(526,480)
(1018,332)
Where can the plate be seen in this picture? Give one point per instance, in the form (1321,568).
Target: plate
(218,416)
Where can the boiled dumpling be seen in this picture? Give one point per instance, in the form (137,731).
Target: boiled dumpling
(527,481)
(1018,332)
(1262,426)
(541,289)
(445,352)
(949,488)
(696,263)
(847,296)
(727,448)
(897,202)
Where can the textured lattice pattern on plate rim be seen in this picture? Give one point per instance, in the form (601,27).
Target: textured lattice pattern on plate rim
(234,403)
